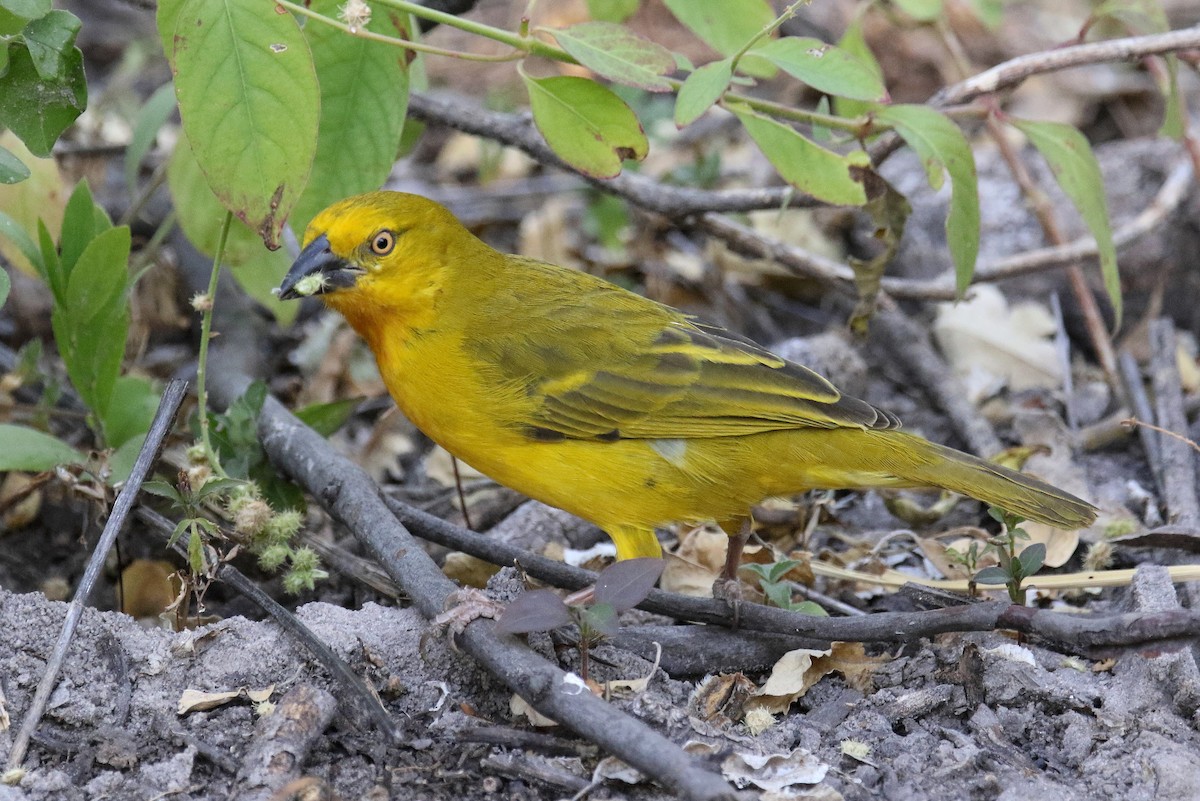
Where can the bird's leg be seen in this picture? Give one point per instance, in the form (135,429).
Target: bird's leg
(727,587)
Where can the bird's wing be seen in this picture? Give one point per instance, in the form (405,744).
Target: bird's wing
(690,381)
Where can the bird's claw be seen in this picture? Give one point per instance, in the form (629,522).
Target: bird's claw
(463,607)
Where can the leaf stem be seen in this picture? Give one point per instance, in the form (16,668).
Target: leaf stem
(206,335)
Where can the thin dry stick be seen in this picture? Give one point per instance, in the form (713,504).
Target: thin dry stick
(168,407)
(1132,422)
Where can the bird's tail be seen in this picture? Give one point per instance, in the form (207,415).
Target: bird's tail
(989,482)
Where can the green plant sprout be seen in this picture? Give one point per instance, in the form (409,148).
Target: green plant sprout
(1014,566)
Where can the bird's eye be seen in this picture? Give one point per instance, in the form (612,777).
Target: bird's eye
(383,243)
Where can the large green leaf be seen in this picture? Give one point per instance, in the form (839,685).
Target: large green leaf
(1075,168)
(941,146)
(36,108)
(805,165)
(249,99)
(585,124)
(50,39)
(824,67)
(364,98)
(615,52)
(16,14)
(131,410)
(701,90)
(727,26)
(33,451)
(257,269)
(150,119)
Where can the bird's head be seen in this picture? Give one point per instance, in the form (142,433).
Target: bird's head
(375,252)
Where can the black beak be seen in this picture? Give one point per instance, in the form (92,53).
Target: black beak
(318,260)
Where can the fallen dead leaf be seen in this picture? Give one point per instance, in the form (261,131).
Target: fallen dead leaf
(773,772)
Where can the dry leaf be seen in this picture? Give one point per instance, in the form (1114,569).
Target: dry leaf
(721,698)
(24,511)
(610,768)
(198,701)
(992,345)
(149,588)
(468,570)
(773,772)
(519,707)
(790,678)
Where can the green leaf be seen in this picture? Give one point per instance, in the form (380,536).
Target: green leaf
(727,25)
(16,14)
(150,119)
(778,594)
(166,18)
(50,40)
(585,124)
(921,10)
(991,575)
(1032,559)
(257,269)
(92,324)
(824,67)
(364,98)
(248,97)
(5,286)
(131,410)
(52,267)
(809,608)
(12,230)
(12,170)
(616,53)
(855,43)
(33,451)
(325,418)
(701,90)
(612,10)
(163,490)
(1174,124)
(942,148)
(120,462)
(805,165)
(1075,168)
(38,109)
(78,227)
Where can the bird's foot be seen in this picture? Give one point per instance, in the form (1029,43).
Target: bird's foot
(464,607)
(729,590)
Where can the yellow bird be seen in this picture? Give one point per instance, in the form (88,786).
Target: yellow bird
(588,397)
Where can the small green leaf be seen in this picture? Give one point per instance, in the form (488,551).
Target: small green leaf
(623,585)
(249,100)
(778,594)
(536,610)
(150,119)
(364,99)
(5,286)
(824,67)
(50,40)
(991,575)
(38,109)
(612,10)
(597,619)
(1032,559)
(941,146)
(33,451)
(12,170)
(805,165)
(921,10)
(326,418)
(778,570)
(585,124)
(809,608)
(855,43)
(1075,168)
(616,53)
(163,490)
(701,90)
(760,571)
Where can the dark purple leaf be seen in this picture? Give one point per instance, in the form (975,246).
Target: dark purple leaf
(626,584)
